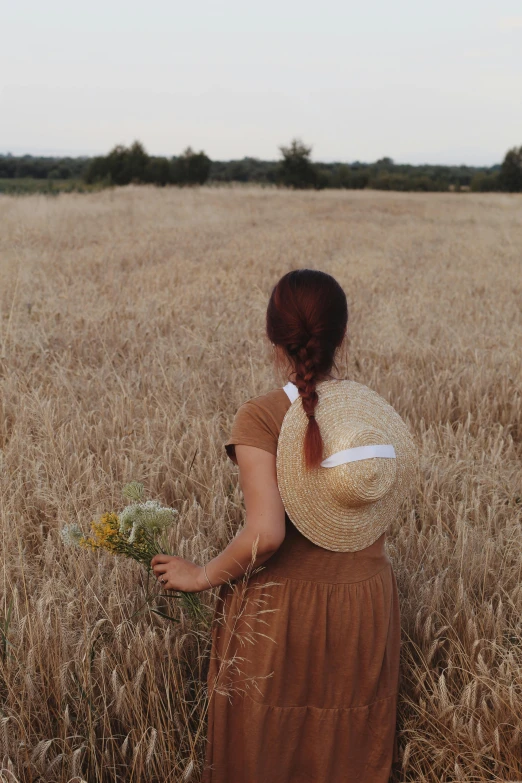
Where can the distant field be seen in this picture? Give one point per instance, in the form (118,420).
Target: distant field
(131,329)
(27,185)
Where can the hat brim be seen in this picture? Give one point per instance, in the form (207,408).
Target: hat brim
(306,494)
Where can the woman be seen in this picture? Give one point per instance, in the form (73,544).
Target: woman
(304,670)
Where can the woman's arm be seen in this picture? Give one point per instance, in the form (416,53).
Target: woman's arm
(265,520)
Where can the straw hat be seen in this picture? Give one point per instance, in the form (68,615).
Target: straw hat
(347,502)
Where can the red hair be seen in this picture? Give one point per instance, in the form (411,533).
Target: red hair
(307,315)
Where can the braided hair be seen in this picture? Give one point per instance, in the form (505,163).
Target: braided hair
(307,315)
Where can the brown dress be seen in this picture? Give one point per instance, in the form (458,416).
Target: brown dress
(304,669)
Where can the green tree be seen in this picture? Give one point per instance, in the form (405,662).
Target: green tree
(191,168)
(385,163)
(96,170)
(137,162)
(296,170)
(484,182)
(121,166)
(511,171)
(157,171)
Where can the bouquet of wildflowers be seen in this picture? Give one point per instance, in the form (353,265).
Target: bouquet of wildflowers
(138,532)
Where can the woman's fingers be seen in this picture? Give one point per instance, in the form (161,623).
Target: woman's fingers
(160,569)
(160,559)
(161,576)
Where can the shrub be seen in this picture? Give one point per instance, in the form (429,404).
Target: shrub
(511,171)
(296,170)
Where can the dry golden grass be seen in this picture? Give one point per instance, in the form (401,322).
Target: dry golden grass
(131,328)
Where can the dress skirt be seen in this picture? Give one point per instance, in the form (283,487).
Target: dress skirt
(304,669)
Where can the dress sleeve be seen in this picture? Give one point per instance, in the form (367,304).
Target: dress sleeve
(251,427)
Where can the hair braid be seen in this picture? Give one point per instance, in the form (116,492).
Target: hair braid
(307,358)
(305,374)
(307,316)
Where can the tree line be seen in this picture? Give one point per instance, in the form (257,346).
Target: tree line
(295,169)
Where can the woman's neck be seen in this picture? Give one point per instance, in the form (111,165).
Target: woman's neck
(321,378)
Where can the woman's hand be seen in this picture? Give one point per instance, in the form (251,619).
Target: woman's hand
(175,573)
(262,534)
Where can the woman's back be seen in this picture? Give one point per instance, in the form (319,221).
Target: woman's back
(258,423)
(309,654)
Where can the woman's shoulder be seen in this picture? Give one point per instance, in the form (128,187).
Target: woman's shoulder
(274,398)
(258,420)
(269,408)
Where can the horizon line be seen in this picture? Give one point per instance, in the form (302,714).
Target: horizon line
(48,154)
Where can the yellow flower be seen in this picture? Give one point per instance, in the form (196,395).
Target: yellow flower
(105,534)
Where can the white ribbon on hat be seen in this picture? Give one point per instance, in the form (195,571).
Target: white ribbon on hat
(358,453)
(346,455)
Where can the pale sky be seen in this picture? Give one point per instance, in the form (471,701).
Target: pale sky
(436,81)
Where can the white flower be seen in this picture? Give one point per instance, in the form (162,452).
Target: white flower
(149,516)
(71,534)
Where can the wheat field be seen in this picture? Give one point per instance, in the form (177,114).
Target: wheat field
(131,329)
